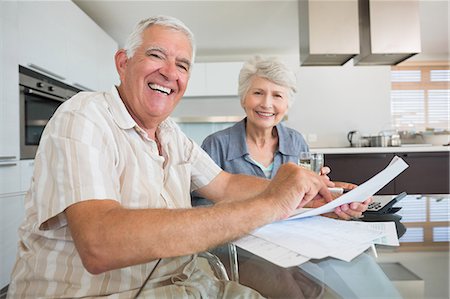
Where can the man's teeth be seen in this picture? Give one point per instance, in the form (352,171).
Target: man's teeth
(160,88)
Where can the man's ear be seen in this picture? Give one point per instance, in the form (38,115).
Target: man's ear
(121,60)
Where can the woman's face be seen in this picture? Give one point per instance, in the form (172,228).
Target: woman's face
(265,103)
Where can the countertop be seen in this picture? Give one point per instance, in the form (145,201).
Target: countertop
(390,149)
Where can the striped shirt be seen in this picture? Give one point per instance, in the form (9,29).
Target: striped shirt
(93,149)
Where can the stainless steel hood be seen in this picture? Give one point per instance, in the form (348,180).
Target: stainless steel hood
(373,32)
(329,31)
(389,31)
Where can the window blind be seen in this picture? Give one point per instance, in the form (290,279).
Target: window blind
(420,97)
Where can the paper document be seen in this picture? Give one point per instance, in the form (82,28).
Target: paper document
(272,252)
(360,193)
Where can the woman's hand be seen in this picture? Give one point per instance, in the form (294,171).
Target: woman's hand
(345,211)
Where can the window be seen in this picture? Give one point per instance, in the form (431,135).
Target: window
(420,96)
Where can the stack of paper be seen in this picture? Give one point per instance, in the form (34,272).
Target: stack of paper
(302,237)
(291,243)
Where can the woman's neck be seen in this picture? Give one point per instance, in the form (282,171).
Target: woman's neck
(262,144)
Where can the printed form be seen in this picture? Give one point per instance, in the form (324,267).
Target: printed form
(301,237)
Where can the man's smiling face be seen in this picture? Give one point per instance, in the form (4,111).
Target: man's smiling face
(155,78)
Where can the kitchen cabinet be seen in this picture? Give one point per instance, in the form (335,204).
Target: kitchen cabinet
(214,79)
(358,168)
(428,172)
(26,173)
(59,39)
(11,215)
(9,82)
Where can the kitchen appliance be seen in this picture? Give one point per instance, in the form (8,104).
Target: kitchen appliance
(354,138)
(39,98)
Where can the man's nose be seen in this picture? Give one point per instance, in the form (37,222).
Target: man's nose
(169,71)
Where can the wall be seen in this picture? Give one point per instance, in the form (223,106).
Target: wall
(330,102)
(334,100)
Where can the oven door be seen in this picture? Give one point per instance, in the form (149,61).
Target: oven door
(36,108)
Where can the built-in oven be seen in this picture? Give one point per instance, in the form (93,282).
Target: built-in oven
(40,96)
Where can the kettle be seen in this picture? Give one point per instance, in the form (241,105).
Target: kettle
(354,137)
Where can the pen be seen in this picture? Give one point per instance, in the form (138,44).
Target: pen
(338,190)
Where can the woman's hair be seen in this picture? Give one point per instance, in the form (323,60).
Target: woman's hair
(268,68)
(134,40)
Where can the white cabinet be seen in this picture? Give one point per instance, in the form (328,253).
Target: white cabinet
(26,173)
(11,215)
(9,176)
(214,79)
(197,81)
(9,82)
(42,35)
(90,53)
(59,39)
(222,78)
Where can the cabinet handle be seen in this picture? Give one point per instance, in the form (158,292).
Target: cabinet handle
(7,158)
(82,87)
(44,70)
(8,164)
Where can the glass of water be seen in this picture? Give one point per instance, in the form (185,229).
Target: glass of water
(316,162)
(304,160)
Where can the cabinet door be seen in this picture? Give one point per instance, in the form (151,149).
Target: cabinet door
(428,173)
(9,81)
(42,35)
(9,176)
(11,215)
(197,81)
(26,174)
(222,78)
(358,168)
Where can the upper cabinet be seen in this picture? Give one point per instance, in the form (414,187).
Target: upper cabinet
(214,79)
(59,39)
(9,82)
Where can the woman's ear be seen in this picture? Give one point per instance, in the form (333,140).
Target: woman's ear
(121,61)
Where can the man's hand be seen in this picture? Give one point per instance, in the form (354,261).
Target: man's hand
(293,187)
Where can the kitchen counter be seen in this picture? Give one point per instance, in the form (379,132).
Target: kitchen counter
(390,149)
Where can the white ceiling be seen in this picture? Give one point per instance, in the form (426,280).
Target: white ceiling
(227,30)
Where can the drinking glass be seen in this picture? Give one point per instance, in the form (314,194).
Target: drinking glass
(304,160)
(316,162)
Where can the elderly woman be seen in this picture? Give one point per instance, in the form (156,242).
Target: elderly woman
(258,145)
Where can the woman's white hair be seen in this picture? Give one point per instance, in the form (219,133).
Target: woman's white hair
(134,40)
(271,69)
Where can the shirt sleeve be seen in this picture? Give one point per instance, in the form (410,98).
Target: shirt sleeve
(74,163)
(203,168)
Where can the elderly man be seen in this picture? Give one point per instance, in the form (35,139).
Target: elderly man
(109,214)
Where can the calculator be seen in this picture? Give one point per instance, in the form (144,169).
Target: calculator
(382,204)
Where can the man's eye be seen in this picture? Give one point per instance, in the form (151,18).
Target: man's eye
(183,67)
(156,55)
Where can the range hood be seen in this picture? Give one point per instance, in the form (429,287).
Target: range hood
(389,31)
(329,31)
(373,32)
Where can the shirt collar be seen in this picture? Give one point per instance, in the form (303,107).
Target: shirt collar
(119,112)
(123,118)
(238,144)
(285,142)
(237,147)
